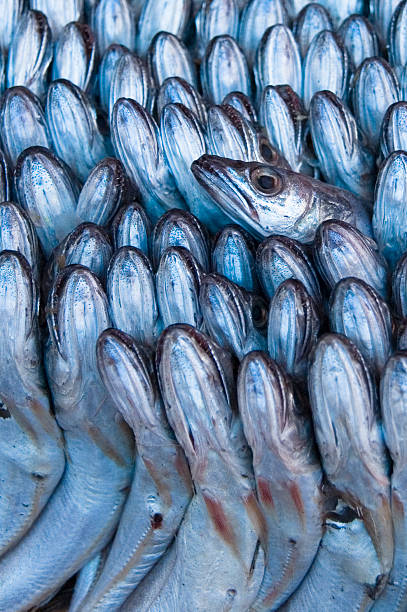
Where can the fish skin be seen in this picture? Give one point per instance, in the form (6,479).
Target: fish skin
(11,11)
(326,66)
(353,457)
(137,143)
(32,447)
(380,12)
(178,280)
(17,233)
(359,39)
(279,258)
(215,18)
(59,13)
(228,315)
(360,314)
(131,79)
(310,21)
(175,90)
(293,328)
(112,22)
(393,388)
(107,67)
(268,67)
(131,294)
(131,227)
(263,208)
(340,251)
(2,71)
(397,36)
(399,287)
(255,18)
(388,213)
(242,103)
(31,41)
(6,183)
(74,55)
(214,563)
(48,194)
(87,577)
(344,158)
(374,89)
(342,10)
(180,228)
(233,256)
(401,335)
(393,131)
(161,16)
(103,192)
(288,476)
(161,488)
(224,69)
(169,57)
(22,122)
(72,124)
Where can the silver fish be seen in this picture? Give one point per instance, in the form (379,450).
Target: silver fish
(293,328)
(131,227)
(161,16)
(375,88)
(59,13)
(389,216)
(294,7)
(397,38)
(17,233)
(224,69)
(381,12)
(180,228)
(30,53)
(341,10)
(309,22)
(11,11)
(233,256)
(349,439)
(178,280)
(401,339)
(73,127)
(103,191)
(279,258)
(344,158)
(326,66)
(340,251)
(175,90)
(278,41)
(288,476)
(228,315)
(194,377)
(132,298)
(256,17)
(31,449)
(86,578)
(399,286)
(169,57)
(161,488)
(266,200)
(360,314)
(215,18)
(113,22)
(359,38)
(136,140)
(22,122)
(131,79)
(394,129)
(107,67)
(74,55)
(242,103)
(2,71)
(47,193)
(5,178)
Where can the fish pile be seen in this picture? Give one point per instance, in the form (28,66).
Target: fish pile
(203,305)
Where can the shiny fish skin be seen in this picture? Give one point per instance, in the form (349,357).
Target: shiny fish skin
(10,11)
(257,194)
(256,17)
(31,449)
(131,79)
(381,12)
(6,184)
(107,67)
(399,287)
(194,374)
(359,38)
(45,190)
(293,328)
(169,57)
(326,66)
(22,122)
(340,251)
(103,191)
(161,488)
(309,22)
(288,476)
(161,16)
(375,88)
(344,159)
(341,10)
(397,38)
(242,103)
(59,13)
(31,41)
(73,128)
(180,228)
(215,18)
(349,439)
(112,22)
(131,227)
(360,314)
(278,41)
(17,233)
(279,258)
(87,577)
(178,280)
(132,298)
(228,316)
(233,256)
(175,90)
(74,55)
(394,129)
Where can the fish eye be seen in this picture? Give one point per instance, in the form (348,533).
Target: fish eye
(268,153)
(266,181)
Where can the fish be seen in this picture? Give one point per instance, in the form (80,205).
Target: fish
(169,57)
(31,445)
(399,287)
(161,16)
(233,256)
(107,67)
(396,38)
(175,90)
(86,578)
(131,79)
(74,55)
(215,18)
(255,18)
(59,13)
(242,103)
(11,11)
(103,192)
(266,200)
(288,476)
(393,131)
(113,23)
(359,38)
(17,233)
(340,11)
(268,67)
(309,22)
(380,14)
(131,227)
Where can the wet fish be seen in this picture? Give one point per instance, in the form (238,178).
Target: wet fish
(288,477)
(278,41)
(215,18)
(131,227)
(131,79)
(381,12)
(309,22)
(59,13)
(107,67)
(5,179)
(359,39)
(103,192)
(113,23)
(10,11)
(74,55)
(161,16)
(397,38)
(342,10)
(394,129)
(256,17)
(17,233)
(233,256)
(175,90)
(399,287)
(169,57)
(86,578)
(242,103)
(266,200)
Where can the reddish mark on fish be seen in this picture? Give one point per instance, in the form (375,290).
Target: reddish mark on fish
(256,517)
(157,520)
(221,523)
(264,490)
(297,499)
(162,487)
(182,468)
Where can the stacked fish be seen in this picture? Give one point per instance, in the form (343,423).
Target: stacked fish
(203,305)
